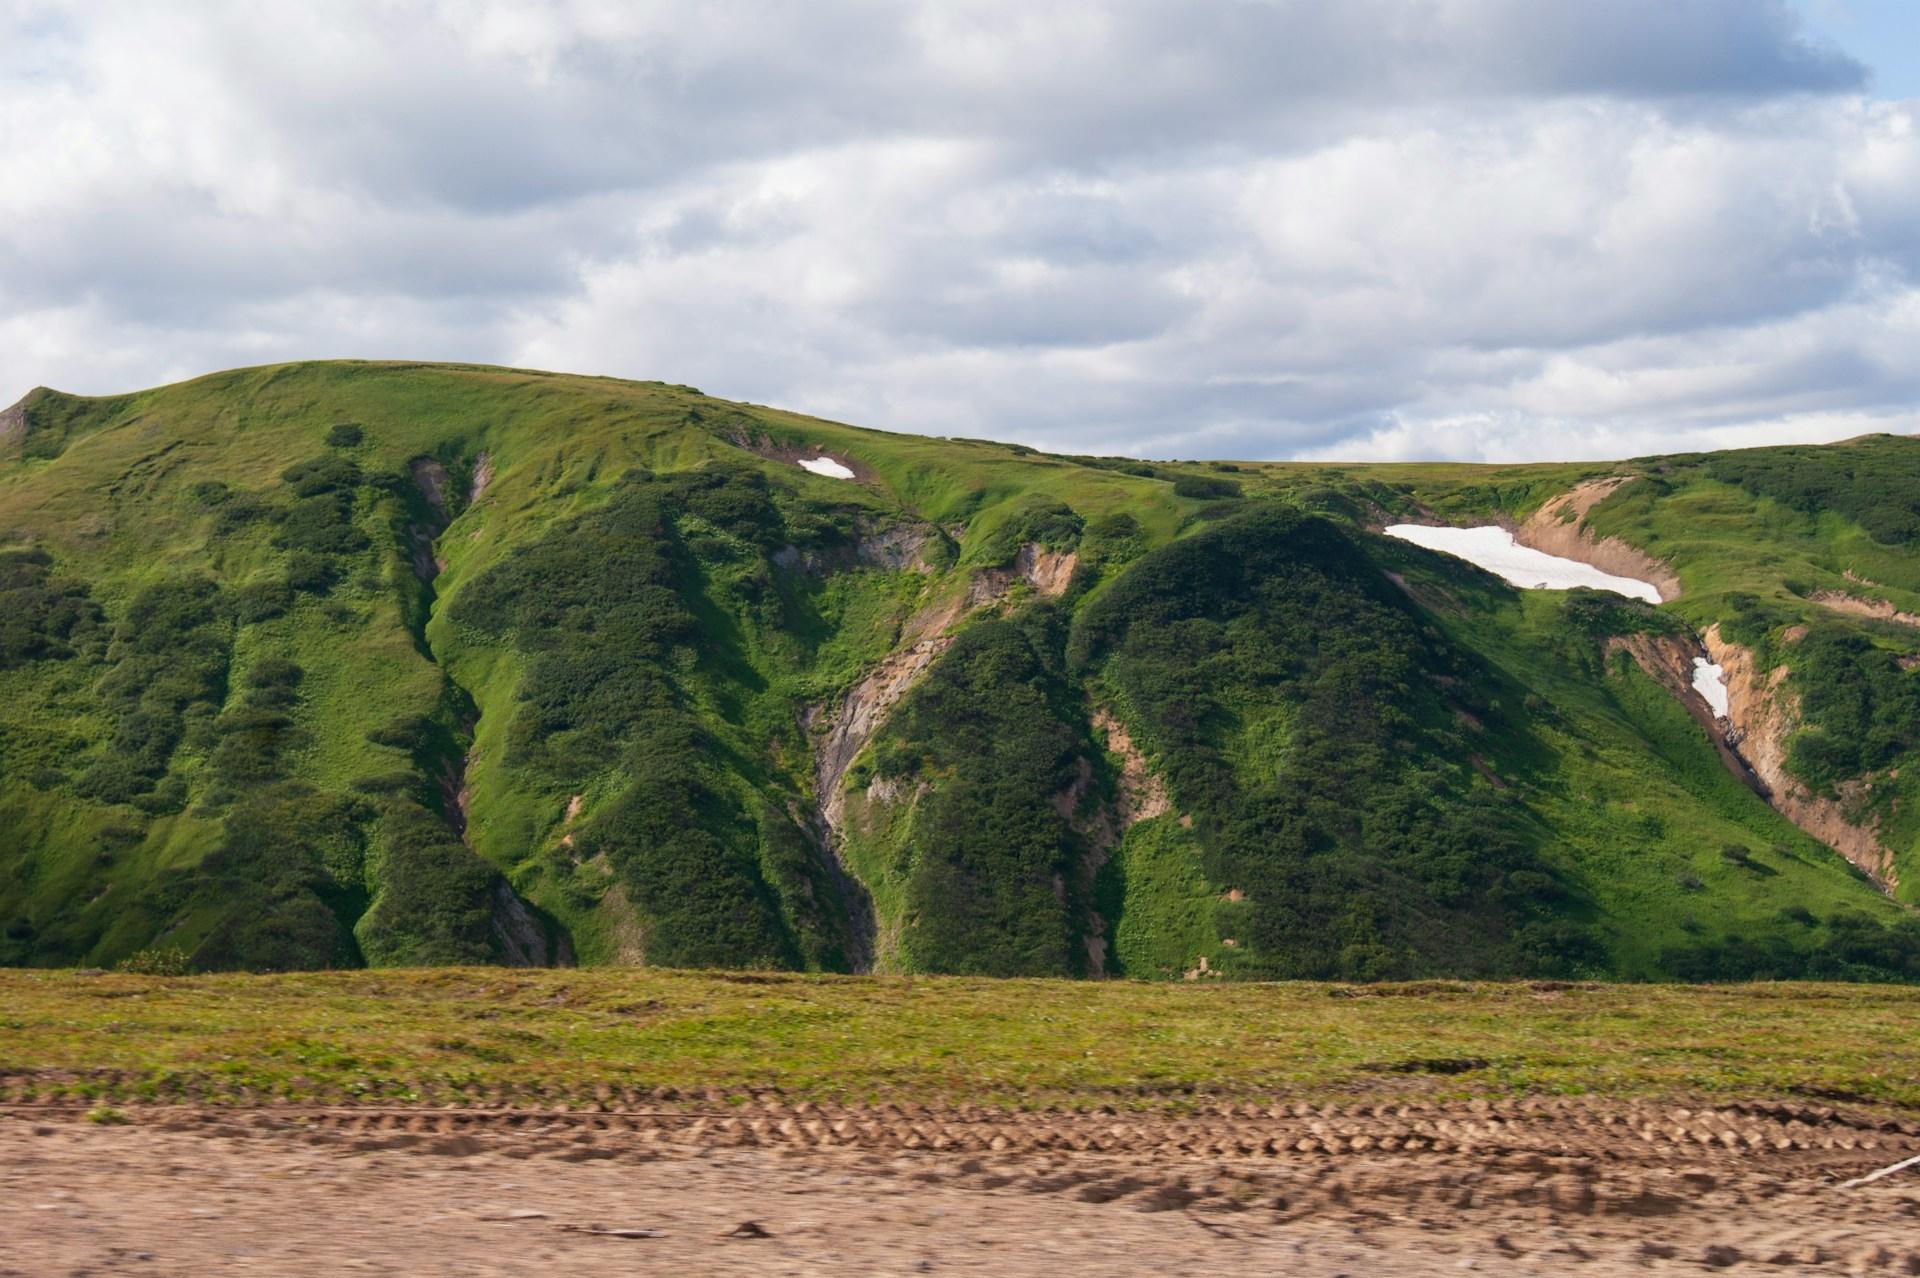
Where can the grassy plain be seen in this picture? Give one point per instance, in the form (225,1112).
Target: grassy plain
(480,1035)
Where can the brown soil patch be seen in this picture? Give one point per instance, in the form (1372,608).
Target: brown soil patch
(1143,792)
(1878,609)
(1559,528)
(1765,713)
(1047,571)
(1541,1187)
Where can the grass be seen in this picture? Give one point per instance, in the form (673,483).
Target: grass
(1623,791)
(453,1034)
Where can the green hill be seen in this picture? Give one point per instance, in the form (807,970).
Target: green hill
(356,663)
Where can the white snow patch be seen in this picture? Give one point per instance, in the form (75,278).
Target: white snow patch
(1710,681)
(1495,550)
(825,466)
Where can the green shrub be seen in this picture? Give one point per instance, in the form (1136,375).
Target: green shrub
(405,732)
(1363,860)
(311,573)
(1873,481)
(169,961)
(259,601)
(435,899)
(988,849)
(1205,488)
(170,655)
(43,617)
(322,475)
(1860,711)
(323,525)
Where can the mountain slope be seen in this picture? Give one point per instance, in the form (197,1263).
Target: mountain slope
(330,664)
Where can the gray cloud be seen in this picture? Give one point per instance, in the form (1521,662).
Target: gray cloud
(1386,227)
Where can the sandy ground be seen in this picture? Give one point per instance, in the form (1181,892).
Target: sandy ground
(793,1190)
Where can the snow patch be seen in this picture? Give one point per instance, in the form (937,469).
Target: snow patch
(825,466)
(1495,550)
(1710,681)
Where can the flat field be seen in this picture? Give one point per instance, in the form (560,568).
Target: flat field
(485,1121)
(485,1034)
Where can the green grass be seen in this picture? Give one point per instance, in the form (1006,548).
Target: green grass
(448,1035)
(1610,785)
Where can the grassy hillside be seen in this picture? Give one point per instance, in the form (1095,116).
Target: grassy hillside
(341,664)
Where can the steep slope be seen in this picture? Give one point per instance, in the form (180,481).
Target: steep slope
(347,663)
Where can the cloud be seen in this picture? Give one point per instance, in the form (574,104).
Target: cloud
(1477,228)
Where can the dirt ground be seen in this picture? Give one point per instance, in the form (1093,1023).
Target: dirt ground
(1527,1188)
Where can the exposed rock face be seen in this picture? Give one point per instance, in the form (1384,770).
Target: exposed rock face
(1765,713)
(1559,528)
(482,476)
(1879,609)
(924,637)
(866,705)
(1047,571)
(522,941)
(896,548)
(1143,796)
(430,477)
(13,421)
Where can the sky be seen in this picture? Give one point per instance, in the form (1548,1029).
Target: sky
(1375,229)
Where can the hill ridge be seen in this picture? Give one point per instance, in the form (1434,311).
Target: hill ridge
(263,704)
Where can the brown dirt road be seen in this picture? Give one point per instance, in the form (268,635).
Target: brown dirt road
(1531,1187)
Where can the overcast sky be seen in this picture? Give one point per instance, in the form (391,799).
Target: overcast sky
(1479,229)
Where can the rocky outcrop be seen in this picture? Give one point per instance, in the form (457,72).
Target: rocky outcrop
(1142,796)
(1765,713)
(1047,571)
(896,548)
(520,937)
(892,547)
(865,706)
(1559,528)
(13,421)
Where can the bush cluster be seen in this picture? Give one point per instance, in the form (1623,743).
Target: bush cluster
(989,856)
(1859,710)
(44,617)
(1853,948)
(169,669)
(1362,861)
(1875,482)
(613,611)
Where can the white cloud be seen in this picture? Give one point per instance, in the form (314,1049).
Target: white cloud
(1477,228)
